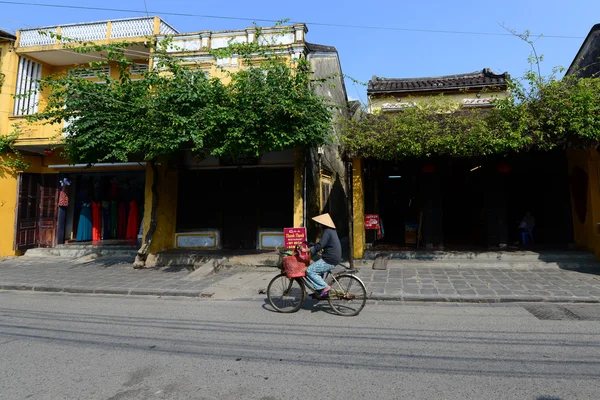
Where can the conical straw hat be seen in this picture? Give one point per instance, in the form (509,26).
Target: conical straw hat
(324,219)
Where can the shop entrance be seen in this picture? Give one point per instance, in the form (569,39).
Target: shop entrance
(463,201)
(470,204)
(237,202)
(101,206)
(393,191)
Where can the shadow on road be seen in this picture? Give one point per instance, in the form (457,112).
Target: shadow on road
(309,305)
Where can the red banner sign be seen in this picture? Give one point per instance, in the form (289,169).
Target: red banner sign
(371,221)
(293,237)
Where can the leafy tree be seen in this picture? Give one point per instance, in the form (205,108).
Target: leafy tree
(268,105)
(539,113)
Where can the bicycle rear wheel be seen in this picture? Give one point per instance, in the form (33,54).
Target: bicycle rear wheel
(348,295)
(286,295)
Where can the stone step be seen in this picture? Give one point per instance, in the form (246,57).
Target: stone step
(77,251)
(220,260)
(487,256)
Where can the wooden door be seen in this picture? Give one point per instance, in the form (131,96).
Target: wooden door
(27,211)
(47,220)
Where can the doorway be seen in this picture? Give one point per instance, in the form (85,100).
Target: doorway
(36,211)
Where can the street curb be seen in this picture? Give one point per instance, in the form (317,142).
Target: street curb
(481,299)
(371,296)
(124,292)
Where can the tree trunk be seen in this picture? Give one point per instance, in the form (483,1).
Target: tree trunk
(144,251)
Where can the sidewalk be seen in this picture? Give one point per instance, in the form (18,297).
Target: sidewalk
(463,282)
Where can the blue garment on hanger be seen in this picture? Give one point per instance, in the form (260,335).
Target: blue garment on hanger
(84,229)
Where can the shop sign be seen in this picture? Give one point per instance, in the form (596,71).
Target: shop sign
(293,237)
(371,221)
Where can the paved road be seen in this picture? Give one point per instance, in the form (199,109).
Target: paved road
(67,346)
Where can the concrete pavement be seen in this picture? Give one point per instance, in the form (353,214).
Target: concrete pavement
(465,281)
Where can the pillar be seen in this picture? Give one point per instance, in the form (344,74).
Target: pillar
(358,206)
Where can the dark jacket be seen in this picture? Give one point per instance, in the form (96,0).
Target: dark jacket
(331,246)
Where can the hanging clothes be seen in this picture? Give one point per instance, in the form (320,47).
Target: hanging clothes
(63,198)
(105,220)
(122,221)
(96,221)
(84,227)
(60,225)
(133,221)
(114,219)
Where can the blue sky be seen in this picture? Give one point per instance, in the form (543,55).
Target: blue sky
(368,52)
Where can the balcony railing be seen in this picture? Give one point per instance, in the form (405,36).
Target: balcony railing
(91,31)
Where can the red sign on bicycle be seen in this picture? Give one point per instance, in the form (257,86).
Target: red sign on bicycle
(293,237)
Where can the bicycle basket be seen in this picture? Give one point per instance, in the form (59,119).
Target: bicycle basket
(293,267)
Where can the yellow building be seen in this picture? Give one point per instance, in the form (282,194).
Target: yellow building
(204,204)
(29,216)
(585,164)
(452,203)
(245,204)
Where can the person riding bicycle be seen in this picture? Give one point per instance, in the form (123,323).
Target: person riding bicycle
(330,257)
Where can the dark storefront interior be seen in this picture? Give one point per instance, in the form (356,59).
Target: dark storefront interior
(237,201)
(473,203)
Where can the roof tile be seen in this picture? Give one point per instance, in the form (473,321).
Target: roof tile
(477,79)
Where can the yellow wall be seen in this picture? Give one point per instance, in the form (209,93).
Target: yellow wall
(8,207)
(8,63)
(587,234)
(298,190)
(376,101)
(358,207)
(37,134)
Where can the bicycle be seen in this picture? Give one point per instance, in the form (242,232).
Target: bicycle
(347,297)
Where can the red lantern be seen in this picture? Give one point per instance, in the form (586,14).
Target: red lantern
(48,152)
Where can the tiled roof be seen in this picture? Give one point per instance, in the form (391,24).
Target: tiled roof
(587,61)
(473,80)
(7,36)
(320,48)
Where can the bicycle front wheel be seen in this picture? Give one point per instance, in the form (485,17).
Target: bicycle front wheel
(286,295)
(348,295)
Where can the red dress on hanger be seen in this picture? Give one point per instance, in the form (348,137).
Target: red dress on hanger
(133,221)
(96,221)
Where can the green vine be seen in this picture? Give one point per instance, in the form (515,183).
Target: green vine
(10,157)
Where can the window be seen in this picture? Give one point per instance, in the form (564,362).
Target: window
(91,72)
(28,85)
(138,69)
(326,183)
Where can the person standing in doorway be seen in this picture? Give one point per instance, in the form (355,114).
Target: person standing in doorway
(330,257)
